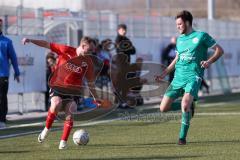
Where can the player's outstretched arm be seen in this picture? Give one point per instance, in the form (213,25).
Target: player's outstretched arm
(217,54)
(168,70)
(40,43)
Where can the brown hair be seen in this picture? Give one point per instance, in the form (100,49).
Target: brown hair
(50,55)
(87,39)
(186,16)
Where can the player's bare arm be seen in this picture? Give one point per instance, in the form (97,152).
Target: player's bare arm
(169,69)
(217,54)
(40,43)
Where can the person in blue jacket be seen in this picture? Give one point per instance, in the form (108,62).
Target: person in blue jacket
(7,54)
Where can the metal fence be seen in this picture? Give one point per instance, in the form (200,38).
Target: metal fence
(95,23)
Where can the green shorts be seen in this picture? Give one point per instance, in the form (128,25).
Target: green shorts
(191,87)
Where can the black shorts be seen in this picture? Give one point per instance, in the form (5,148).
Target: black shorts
(53,93)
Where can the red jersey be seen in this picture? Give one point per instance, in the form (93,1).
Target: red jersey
(70,69)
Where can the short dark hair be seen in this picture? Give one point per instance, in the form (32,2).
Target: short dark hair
(87,39)
(106,41)
(123,26)
(186,16)
(51,56)
(1,20)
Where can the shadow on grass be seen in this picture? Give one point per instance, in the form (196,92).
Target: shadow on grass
(137,158)
(9,152)
(194,142)
(215,142)
(159,144)
(132,145)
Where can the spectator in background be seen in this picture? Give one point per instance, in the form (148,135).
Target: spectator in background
(6,53)
(205,85)
(96,49)
(123,46)
(51,65)
(135,91)
(105,56)
(168,55)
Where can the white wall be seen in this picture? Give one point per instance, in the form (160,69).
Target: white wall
(32,66)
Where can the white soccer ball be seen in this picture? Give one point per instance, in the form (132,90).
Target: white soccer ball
(81,137)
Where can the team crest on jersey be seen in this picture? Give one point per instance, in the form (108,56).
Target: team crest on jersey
(73,67)
(195,40)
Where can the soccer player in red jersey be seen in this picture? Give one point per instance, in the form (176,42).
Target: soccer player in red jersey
(75,75)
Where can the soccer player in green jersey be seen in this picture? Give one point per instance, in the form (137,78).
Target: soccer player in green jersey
(189,64)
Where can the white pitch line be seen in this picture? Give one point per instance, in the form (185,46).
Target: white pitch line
(54,129)
(219,114)
(198,105)
(18,134)
(22,125)
(99,122)
(213,104)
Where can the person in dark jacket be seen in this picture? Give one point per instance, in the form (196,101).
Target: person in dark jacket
(123,44)
(123,47)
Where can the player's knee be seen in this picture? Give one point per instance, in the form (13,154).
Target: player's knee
(69,117)
(73,108)
(53,110)
(185,108)
(162,108)
(56,101)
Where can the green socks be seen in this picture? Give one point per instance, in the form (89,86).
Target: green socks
(186,116)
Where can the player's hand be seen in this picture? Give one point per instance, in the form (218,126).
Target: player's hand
(204,64)
(25,41)
(159,78)
(16,78)
(104,103)
(97,102)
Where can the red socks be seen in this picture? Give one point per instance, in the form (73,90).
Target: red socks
(50,118)
(68,124)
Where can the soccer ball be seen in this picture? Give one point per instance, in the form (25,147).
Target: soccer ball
(81,137)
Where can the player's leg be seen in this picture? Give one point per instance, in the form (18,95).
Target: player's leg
(168,102)
(186,117)
(56,103)
(191,93)
(69,109)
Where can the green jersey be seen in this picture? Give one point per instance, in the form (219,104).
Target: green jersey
(191,50)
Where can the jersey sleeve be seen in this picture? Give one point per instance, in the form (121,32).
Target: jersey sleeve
(61,49)
(208,40)
(13,57)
